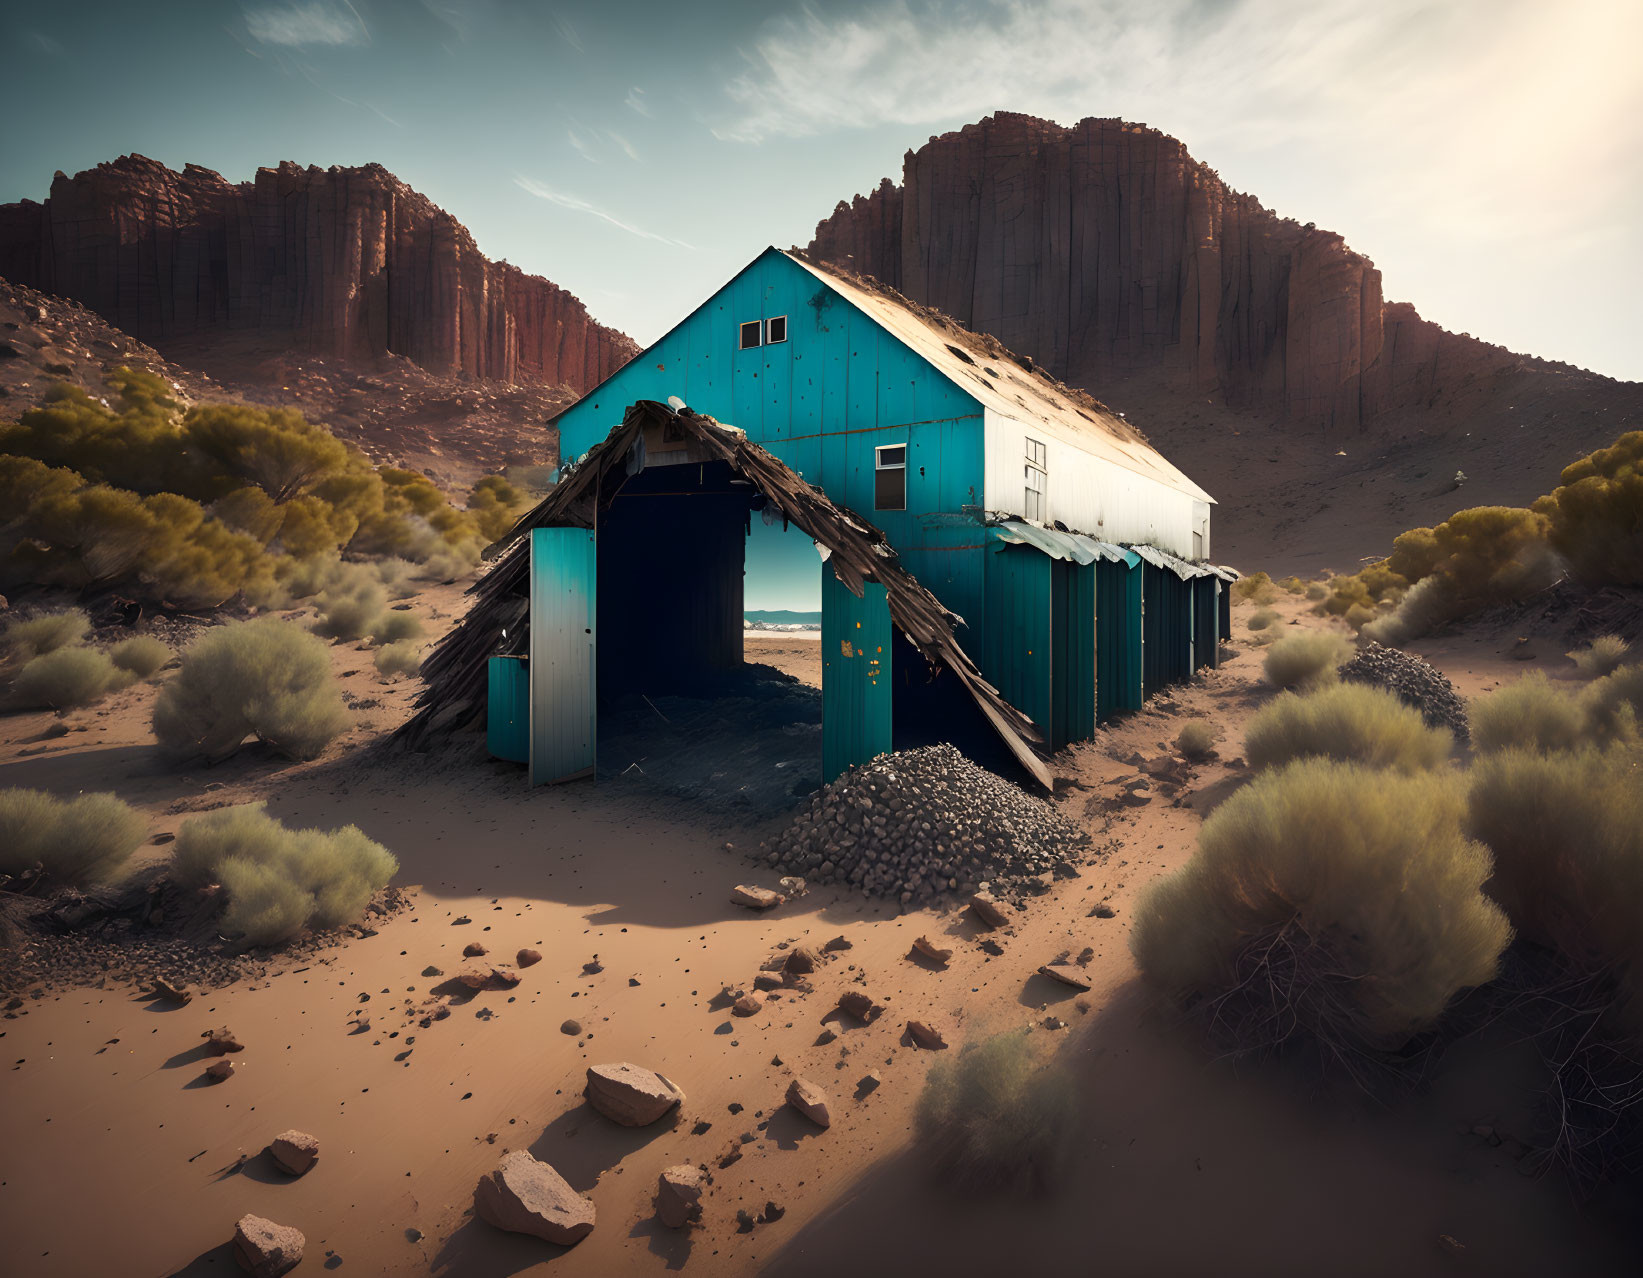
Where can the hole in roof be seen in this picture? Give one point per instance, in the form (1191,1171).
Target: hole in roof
(991,372)
(962,354)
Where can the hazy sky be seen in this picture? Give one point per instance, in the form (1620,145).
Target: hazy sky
(1487,154)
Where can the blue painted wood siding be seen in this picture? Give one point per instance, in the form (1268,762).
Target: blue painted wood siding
(822,401)
(564,654)
(1017,654)
(857,722)
(1072,644)
(508,709)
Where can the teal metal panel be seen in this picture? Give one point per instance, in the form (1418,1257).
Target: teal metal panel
(1118,638)
(1017,647)
(564,675)
(857,721)
(1072,618)
(1206,613)
(508,709)
(1166,629)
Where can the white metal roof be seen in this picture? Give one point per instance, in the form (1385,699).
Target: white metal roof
(1002,382)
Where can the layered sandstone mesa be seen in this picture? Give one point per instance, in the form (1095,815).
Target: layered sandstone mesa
(340,262)
(1105,251)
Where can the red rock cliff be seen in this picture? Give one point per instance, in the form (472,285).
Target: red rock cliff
(1105,251)
(345,262)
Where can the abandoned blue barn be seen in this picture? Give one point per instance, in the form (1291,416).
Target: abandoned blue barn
(1071,555)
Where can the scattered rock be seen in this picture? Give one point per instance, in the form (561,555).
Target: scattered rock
(747,1005)
(929,951)
(1414,682)
(838,943)
(755,898)
(679,1195)
(810,1101)
(431,970)
(218,1071)
(630,1094)
(1102,911)
(474,949)
(526,958)
(572,1028)
(771,1213)
(593,967)
(220,1042)
(293,1152)
(926,1035)
(1086,956)
(801,960)
(987,910)
(744,1221)
(1066,973)
(869,1083)
(265,1249)
(526,1196)
(858,1004)
(793,886)
(179,994)
(487,976)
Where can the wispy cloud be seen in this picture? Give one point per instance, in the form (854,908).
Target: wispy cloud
(302,25)
(635,101)
(591,144)
(579,205)
(582,144)
(623,143)
(566,32)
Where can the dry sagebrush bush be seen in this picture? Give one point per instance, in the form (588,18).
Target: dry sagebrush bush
(1596,514)
(1327,900)
(67,677)
(997,1117)
(1604,655)
(278,880)
(1614,704)
(1317,591)
(1533,714)
(1566,831)
(1257,588)
(1197,738)
(80,840)
(402,657)
(46,632)
(140,655)
(392,627)
(1305,660)
(265,678)
(1261,619)
(351,607)
(1348,722)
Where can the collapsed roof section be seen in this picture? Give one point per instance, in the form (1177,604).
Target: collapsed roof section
(456,671)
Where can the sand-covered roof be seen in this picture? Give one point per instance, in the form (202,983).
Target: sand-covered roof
(1002,381)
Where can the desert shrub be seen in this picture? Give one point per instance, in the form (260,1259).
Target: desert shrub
(79,840)
(1614,704)
(1261,619)
(1197,738)
(396,577)
(140,655)
(1347,722)
(402,657)
(66,678)
(351,607)
(1328,900)
(1596,514)
(496,505)
(1566,831)
(1256,588)
(1604,655)
(252,512)
(996,1117)
(279,880)
(1305,660)
(265,678)
(1291,585)
(1531,714)
(46,632)
(393,627)
(1316,591)
(1358,616)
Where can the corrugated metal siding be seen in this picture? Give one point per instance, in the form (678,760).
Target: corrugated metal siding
(1225,611)
(564,654)
(1017,651)
(857,688)
(1118,647)
(1072,607)
(508,709)
(1166,629)
(1091,495)
(1206,612)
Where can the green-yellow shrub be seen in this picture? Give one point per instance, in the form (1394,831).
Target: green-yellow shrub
(278,880)
(1305,660)
(1261,619)
(1326,899)
(46,632)
(67,678)
(81,840)
(1257,588)
(1604,655)
(1533,714)
(1196,738)
(1596,514)
(142,656)
(996,1117)
(394,627)
(265,678)
(402,657)
(1347,722)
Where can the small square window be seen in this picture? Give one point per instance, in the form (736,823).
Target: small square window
(1036,454)
(751,332)
(1036,475)
(775,330)
(890,477)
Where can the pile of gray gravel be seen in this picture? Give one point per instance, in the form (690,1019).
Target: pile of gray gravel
(917,823)
(1413,682)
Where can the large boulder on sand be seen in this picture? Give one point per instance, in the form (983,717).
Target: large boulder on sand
(630,1094)
(679,1195)
(810,1101)
(265,1249)
(525,1196)
(293,1152)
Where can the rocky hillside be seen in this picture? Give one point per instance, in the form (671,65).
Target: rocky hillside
(338,263)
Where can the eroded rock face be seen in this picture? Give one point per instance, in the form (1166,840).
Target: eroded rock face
(630,1094)
(347,262)
(265,1249)
(1105,250)
(526,1196)
(679,1195)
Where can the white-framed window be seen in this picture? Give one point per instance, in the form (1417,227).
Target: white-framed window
(752,334)
(890,477)
(1037,474)
(775,330)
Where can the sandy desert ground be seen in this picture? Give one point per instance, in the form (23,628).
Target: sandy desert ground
(116,1158)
